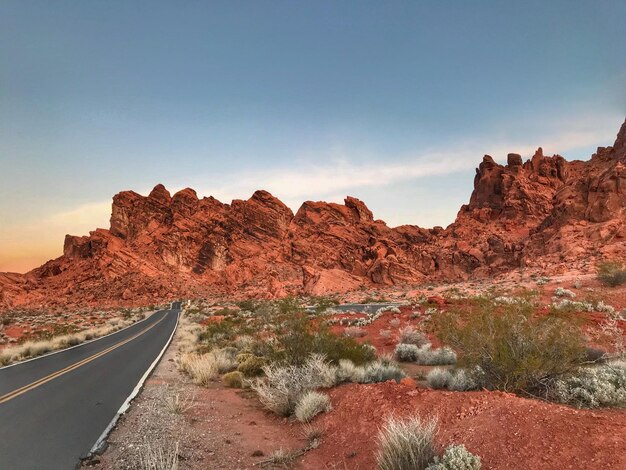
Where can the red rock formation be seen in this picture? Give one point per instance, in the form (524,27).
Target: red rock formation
(537,213)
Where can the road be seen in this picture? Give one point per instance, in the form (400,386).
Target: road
(53,409)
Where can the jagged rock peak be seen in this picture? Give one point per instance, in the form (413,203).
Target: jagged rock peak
(360,210)
(514,159)
(160,194)
(619,147)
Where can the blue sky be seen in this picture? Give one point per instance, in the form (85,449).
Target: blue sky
(392,102)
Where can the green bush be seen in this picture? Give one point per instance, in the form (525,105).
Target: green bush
(511,349)
(252,366)
(611,273)
(300,338)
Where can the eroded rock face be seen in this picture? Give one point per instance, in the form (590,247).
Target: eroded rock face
(534,213)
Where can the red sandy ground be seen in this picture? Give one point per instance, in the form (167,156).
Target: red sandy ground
(506,431)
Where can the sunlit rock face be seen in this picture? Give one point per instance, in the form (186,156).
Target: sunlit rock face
(544,213)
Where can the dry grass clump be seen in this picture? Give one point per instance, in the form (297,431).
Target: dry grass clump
(203,368)
(188,335)
(409,444)
(310,405)
(406,444)
(612,273)
(156,457)
(178,404)
(283,386)
(410,335)
(354,332)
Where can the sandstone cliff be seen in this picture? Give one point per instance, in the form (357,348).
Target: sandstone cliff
(544,213)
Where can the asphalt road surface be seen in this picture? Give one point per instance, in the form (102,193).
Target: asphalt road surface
(53,409)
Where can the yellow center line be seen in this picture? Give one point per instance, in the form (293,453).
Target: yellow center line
(76,365)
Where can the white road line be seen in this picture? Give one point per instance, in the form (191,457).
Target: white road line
(99,445)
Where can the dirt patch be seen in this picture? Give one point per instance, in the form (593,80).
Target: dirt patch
(222,428)
(506,431)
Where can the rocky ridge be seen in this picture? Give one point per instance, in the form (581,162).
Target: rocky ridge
(546,213)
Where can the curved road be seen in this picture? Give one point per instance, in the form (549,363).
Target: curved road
(54,408)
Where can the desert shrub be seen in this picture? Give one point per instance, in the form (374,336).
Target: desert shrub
(611,273)
(406,352)
(593,387)
(348,372)
(298,339)
(458,380)
(219,333)
(381,371)
(202,368)
(406,444)
(354,332)
(323,303)
(224,359)
(561,292)
(439,378)
(595,354)
(435,357)
(409,335)
(178,404)
(510,349)
(456,457)
(310,405)
(233,379)
(158,456)
(424,355)
(284,385)
(251,366)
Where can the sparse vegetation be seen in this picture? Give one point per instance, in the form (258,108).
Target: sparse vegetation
(178,404)
(424,355)
(612,273)
(406,444)
(457,380)
(310,405)
(354,332)
(283,386)
(409,444)
(158,457)
(31,349)
(593,387)
(510,348)
(233,379)
(410,335)
(456,457)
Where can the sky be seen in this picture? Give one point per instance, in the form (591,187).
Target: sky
(392,102)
